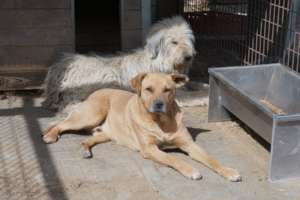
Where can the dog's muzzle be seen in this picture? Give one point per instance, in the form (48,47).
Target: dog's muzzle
(181,68)
(188,59)
(158,107)
(184,66)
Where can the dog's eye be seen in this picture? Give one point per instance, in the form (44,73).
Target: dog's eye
(167,90)
(174,42)
(149,89)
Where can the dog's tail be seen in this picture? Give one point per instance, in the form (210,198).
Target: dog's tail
(74,76)
(54,78)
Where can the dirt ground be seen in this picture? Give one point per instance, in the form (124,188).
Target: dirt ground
(31,170)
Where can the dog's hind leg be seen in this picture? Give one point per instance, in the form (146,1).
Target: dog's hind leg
(97,138)
(86,117)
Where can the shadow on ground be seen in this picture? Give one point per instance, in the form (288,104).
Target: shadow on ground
(194,133)
(27,169)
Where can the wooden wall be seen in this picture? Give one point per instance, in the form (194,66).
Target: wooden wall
(135,22)
(32,34)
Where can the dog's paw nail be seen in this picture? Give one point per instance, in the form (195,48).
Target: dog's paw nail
(49,139)
(196,176)
(236,178)
(234,175)
(87,154)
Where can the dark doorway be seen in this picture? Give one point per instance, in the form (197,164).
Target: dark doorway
(97,26)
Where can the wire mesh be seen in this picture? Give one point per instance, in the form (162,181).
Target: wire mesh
(253,31)
(266,31)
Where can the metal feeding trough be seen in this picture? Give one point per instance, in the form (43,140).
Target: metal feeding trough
(267,99)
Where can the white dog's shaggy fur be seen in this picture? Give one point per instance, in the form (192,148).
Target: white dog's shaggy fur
(169,48)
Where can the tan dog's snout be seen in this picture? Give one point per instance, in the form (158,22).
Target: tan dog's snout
(158,106)
(157,91)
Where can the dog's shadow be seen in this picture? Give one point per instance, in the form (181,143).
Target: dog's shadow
(194,133)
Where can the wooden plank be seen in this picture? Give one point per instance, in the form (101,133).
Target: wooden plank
(132,4)
(32,34)
(25,4)
(43,3)
(7,4)
(55,18)
(26,67)
(131,19)
(21,68)
(37,36)
(133,39)
(22,80)
(30,55)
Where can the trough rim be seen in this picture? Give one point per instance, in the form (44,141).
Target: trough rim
(216,72)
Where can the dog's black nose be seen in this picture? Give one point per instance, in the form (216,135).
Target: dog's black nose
(188,58)
(159,105)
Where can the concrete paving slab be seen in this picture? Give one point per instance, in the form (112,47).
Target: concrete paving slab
(31,170)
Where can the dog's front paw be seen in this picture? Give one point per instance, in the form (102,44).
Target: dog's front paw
(232,174)
(49,138)
(196,176)
(192,174)
(87,153)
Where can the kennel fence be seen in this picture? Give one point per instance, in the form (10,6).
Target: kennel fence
(251,31)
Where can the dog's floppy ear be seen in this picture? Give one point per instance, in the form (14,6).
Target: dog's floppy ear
(179,79)
(154,44)
(136,82)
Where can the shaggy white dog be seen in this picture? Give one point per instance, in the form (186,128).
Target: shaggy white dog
(169,48)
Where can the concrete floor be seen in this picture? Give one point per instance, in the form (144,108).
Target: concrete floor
(32,170)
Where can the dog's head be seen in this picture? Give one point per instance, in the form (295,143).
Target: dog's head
(157,91)
(172,40)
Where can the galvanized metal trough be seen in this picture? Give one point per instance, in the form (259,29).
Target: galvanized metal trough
(267,99)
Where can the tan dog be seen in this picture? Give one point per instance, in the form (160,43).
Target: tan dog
(147,122)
